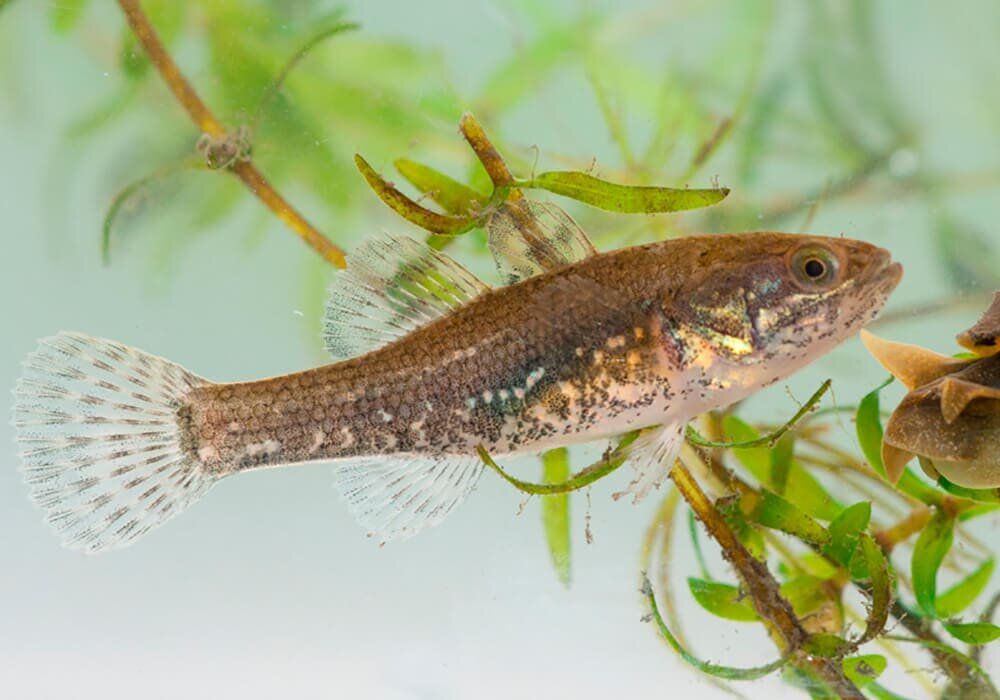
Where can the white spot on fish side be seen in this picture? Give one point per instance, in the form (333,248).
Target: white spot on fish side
(598,357)
(470,352)
(386,417)
(208,454)
(617,341)
(234,427)
(534,377)
(318,437)
(272,446)
(634,358)
(504,394)
(640,332)
(518,393)
(348,437)
(471,402)
(428,405)
(488,396)
(579,352)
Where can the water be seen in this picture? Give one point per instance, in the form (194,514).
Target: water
(267,587)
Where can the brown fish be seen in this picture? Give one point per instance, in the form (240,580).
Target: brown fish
(951,416)
(580,346)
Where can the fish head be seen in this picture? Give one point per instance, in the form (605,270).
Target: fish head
(765,304)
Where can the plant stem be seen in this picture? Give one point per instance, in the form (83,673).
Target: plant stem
(764,590)
(202,116)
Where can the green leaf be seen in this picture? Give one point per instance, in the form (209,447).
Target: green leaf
(773,511)
(722,600)
(725,672)
(555,512)
(450,194)
(805,593)
(801,487)
(973,632)
(781,462)
(868,423)
(66,14)
(881,587)
(757,460)
(626,199)
(845,530)
(411,211)
(980,495)
(826,645)
(962,594)
(933,544)
(862,670)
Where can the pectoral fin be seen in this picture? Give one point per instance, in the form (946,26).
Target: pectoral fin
(912,365)
(652,456)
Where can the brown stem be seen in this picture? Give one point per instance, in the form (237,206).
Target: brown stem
(904,529)
(200,114)
(764,590)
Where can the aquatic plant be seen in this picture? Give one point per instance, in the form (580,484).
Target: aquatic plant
(809,562)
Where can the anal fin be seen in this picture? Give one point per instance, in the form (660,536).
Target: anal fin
(395,497)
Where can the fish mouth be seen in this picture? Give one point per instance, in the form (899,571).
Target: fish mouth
(881,272)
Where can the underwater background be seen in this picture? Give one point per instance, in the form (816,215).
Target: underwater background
(874,120)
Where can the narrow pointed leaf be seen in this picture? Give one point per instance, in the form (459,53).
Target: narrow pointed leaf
(722,600)
(773,511)
(450,194)
(627,199)
(801,487)
(826,645)
(845,530)
(555,512)
(962,594)
(929,551)
(426,219)
(973,632)
(805,593)
(724,672)
(881,588)
(868,424)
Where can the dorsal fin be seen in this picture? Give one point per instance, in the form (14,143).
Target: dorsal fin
(527,238)
(392,285)
(957,393)
(912,365)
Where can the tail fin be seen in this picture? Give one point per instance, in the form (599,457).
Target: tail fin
(100,444)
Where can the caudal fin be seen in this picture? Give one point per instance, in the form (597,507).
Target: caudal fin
(100,444)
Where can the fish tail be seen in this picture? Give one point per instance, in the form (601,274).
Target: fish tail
(102,440)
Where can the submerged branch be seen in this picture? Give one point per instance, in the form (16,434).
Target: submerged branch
(763,589)
(202,116)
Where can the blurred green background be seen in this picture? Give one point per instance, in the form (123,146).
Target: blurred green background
(876,120)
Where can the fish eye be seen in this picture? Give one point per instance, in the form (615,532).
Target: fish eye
(815,267)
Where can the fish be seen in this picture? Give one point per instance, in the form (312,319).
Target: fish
(431,364)
(950,417)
